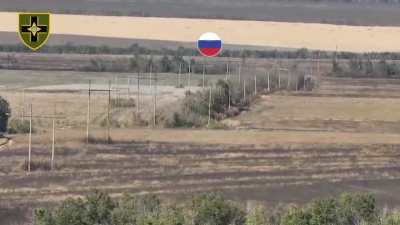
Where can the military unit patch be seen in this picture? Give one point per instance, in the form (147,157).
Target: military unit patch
(34,29)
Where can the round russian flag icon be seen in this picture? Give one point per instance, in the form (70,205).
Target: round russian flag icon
(209,44)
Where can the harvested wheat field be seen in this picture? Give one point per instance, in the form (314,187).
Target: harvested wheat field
(272,171)
(249,33)
(289,147)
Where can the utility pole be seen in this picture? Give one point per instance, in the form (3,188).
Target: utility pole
(269,88)
(88,115)
(229,97)
(288,81)
(53,144)
(204,76)
(108,112)
(116,94)
(138,95)
(239,72)
(151,68)
(189,74)
(318,68)
(255,84)
(90,90)
(227,71)
(279,79)
(53,117)
(129,88)
(30,139)
(179,75)
(244,89)
(155,102)
(209,108)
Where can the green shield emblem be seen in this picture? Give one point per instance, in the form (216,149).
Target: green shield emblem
(34,29)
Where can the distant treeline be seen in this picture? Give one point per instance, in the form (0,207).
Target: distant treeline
(136,49)
(365,67)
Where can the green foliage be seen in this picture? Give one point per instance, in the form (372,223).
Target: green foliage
(323,212)
(136,49)
(44,217)
(165,64)
(257,216)
(71,212)
(363,66)
(348,209)
(98,208)
(195,106)
(297,216)
(213,209)
(172,215)
(392,219)
(17,126)
(140,210)
(4,114)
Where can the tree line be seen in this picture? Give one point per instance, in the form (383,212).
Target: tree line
(364,67)
(136,49)
(98,208)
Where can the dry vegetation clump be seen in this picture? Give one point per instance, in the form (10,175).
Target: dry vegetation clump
(17,126)
(40,164)
(226,101)
(123,102)
(122,118)
(99,140)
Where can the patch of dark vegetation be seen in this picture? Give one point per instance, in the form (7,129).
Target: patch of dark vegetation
(99,140)
(176,53)
(39,165)
(222,101)
(123,102)
(362,66)
(17,126)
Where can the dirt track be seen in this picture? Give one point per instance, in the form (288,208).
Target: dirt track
(252,33)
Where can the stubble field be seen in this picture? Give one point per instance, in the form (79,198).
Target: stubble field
(247,33)
(289,148)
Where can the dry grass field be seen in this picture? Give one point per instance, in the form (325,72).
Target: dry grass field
(269,167)
(362,12)
(322,114)
(290,147)
(251,33)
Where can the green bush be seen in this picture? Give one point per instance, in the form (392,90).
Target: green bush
(213,209)
(17,126)
(4,114)
(296,216)
(323,212)
(210,209)
(257,216)
(194,109)
(123,102)
(392,219)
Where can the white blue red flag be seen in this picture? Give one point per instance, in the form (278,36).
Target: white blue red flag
(209,44)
